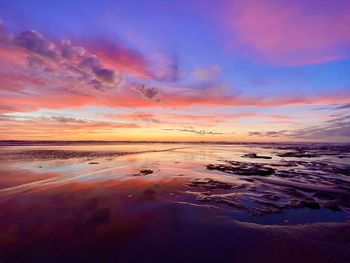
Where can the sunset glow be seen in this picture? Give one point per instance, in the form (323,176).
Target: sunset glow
(174,131)
(196,71)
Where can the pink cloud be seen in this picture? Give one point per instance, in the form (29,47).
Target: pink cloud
(127,60)
(119,57)
(291,32)
(200,119)
(36,73)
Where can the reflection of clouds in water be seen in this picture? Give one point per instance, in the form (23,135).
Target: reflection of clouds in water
(200,156)
(109,202)
(196,153)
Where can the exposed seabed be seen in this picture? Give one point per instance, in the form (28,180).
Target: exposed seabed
(157,202)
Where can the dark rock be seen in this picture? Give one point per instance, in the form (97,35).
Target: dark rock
(58,154)
(310,204)
(332,206)
(230,200)
(248,179)
(324,195)
(255,156)
(209,184)
(343,171)
(299,154)
(146,171)
(240,168)
(272,197)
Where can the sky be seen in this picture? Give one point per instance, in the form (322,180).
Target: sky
(175,70)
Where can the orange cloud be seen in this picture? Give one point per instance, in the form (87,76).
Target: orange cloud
(57,126)
(36,73)
(196,119)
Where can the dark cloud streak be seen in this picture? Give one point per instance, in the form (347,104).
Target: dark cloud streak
(193,130)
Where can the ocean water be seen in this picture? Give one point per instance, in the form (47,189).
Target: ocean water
(119,202)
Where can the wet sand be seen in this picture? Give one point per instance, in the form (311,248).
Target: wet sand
(174,202)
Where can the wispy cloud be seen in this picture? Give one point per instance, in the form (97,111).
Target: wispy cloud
(55,126)
(290,32)
(193,130)
(37,73)
(331,130)
(343,107)
(151,90)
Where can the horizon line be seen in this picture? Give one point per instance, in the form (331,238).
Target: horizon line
(153,141)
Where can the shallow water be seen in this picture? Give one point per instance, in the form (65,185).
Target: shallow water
(189,201)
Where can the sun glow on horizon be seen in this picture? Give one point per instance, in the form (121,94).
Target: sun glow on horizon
(233,71)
